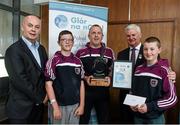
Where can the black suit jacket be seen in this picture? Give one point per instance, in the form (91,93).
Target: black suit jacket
(125,112)
(124,55)
(26,79)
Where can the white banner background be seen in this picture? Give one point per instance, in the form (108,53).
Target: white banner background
(76,18)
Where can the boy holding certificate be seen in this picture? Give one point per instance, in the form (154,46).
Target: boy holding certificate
(151,81)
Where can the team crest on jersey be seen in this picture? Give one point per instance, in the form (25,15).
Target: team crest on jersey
(153,82)
(77,71)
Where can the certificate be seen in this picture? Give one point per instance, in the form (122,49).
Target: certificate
(122,74)
(133,100)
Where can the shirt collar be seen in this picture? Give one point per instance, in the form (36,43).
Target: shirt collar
(30,44)
(137,47)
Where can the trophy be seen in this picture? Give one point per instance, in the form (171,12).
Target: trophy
(100,72)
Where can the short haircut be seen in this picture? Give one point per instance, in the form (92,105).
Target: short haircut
(95,25)
(153,39)
(64,32)
(133,26)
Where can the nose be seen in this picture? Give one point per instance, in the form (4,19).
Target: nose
(131,37)
(148,51)
(96,34)
(33,28)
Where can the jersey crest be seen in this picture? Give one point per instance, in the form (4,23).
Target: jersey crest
(153,82)
(77,70)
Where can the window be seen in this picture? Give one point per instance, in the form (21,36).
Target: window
(28,7)
(7,2)
(12,12)
(6,37)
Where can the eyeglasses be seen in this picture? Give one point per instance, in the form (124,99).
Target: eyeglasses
(66,40)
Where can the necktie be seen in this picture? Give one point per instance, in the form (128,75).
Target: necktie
(133,56)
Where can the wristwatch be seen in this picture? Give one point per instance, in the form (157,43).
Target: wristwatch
(52,101)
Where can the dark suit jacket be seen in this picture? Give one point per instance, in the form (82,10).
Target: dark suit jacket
(124,55)
(26,79)
(126,116)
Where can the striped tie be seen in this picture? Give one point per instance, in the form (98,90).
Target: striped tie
(133,56)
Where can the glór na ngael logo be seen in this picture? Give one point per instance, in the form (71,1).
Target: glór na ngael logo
(61,21)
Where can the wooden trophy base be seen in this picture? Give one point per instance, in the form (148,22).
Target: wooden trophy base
(99,82)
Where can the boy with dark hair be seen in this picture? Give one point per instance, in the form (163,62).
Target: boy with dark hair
(151,81)
(64,84)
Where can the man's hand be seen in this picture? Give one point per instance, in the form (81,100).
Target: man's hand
(88,79)
(171,75)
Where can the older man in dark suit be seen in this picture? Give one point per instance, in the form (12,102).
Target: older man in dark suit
(25,61)
(133,34)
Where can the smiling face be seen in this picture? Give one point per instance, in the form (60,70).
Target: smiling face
(95,36)
(66,42)
(31,28)
(133,37)
(151,52)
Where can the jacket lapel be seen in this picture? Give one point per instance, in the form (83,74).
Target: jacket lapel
(127,53)
(41,56)
(140,58)
(28,51)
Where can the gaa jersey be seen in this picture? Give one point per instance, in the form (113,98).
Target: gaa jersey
(152,82)
(66,74)
(88,55)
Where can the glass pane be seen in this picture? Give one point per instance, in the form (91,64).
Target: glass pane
(28,6)
(6,2)
(6,38)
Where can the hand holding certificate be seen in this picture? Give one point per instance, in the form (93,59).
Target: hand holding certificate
(133,100)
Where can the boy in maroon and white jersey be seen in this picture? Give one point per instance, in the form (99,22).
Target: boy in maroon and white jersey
(151,81)
(64,85)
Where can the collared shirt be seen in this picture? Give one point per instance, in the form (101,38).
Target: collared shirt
(137,49)
(33,48)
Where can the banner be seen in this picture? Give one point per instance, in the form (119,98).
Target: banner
(77,18)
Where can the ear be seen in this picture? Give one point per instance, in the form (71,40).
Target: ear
(72,43)
(59,43)
(88,36)
(23,26)
(160,49)
(22,29)
(140,35)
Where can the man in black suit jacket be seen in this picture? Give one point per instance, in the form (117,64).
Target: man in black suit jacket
(133,34)
(25,61)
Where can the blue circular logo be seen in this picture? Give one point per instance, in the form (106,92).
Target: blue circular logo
(61,21)
(119,77)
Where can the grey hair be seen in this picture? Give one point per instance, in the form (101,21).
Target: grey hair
(133,26)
